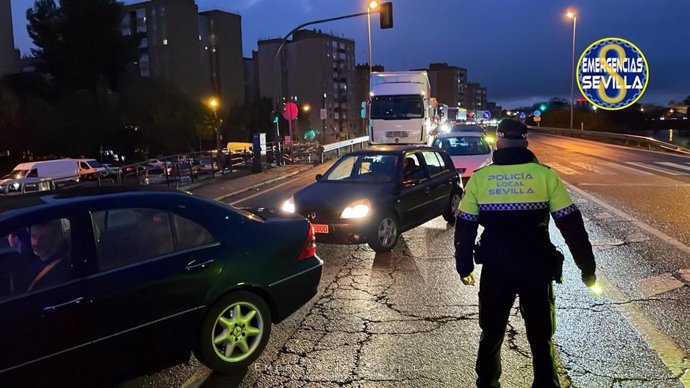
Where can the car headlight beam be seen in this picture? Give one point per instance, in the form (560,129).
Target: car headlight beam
(357,209)
(289,205)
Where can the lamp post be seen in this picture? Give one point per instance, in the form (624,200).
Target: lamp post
(571,14)
(372,6)
(214,104)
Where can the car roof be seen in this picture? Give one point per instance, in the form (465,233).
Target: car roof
(460,134)
(392,149)
(70,195)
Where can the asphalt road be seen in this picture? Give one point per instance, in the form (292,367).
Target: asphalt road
(404,319)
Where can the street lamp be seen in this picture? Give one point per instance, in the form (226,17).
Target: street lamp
(571,14)
(372,6)
(213,103)
(306,107)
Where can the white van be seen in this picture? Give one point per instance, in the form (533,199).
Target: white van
(91,169)
(59,171)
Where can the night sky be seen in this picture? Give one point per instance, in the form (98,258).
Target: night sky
(519,49)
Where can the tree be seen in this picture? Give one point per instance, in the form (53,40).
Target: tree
(80,42)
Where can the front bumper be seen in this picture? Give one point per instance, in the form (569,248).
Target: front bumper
(355,232)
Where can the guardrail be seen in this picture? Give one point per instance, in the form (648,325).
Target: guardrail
(615,138)
(333,150)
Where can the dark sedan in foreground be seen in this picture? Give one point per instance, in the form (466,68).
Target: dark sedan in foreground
(372,196)
(102,278)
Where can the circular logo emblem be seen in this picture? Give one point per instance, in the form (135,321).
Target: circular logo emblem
(612,73)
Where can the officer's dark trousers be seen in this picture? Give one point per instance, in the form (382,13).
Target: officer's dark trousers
(497,293)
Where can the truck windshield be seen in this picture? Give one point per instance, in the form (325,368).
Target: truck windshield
(397,107)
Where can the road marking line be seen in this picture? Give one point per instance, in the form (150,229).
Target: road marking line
(657,285)
(674,165)
(562,169)
(655,168)
(649,229)
(626,168)
(670,354)
(263,192)
(593,168)
(668,351)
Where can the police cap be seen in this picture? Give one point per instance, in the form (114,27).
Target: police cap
(511,129)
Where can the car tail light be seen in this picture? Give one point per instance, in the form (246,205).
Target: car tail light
(309,248)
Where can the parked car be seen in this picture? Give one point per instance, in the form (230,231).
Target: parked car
(468,150)
(468,128)
(372,196)
(141,274)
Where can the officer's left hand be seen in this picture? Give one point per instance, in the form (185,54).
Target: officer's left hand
(469,279)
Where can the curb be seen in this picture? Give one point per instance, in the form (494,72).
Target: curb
(267,182)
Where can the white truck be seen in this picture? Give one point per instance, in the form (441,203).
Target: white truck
(400,109)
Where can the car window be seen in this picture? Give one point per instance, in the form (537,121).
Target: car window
(376,168)
(463,145)
(433,165)
(413,171)
(342,170)
(35,256)
(189,234)
(83,165)
(32,174)
(132,235)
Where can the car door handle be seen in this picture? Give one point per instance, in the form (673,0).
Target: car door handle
(50,309)
(193,265)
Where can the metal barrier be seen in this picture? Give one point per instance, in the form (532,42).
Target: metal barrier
(329,151)
(615,138)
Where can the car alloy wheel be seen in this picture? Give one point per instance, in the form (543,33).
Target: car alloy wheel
(234,332)
(237,332)
(385,235)
(449,215)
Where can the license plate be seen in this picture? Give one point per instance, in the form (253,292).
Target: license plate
(319,228)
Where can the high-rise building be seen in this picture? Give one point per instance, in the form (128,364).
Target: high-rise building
(448,83)
(475,97)
(316,70)
(9,56)
(199,53)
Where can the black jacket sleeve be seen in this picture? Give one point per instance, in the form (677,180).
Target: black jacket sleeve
(572,228)
(465,235)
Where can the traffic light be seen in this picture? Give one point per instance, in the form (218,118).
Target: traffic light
(543,107)
(386,15)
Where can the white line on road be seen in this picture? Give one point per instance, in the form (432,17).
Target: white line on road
(674,165)
(262,192)
(631,170)
(669,352)
(655,168)
(562,169)
(593,168)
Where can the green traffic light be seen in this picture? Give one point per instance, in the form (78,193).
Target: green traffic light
(543,107)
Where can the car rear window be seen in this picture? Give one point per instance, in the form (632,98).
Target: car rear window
(463,145)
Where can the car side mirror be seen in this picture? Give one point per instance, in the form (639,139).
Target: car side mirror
(318,177)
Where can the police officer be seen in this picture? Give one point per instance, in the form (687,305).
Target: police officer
(512,199)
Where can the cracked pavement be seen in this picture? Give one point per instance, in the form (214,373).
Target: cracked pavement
(405,320)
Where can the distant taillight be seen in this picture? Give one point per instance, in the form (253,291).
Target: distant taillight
(309,248)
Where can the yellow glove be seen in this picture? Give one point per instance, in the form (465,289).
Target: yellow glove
(469,279)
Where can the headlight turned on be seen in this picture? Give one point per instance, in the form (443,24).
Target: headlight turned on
(357,209)
(289,205)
